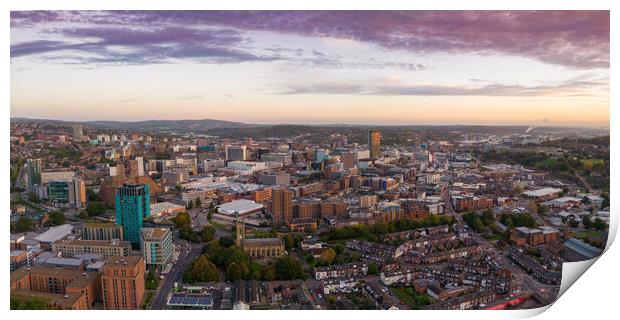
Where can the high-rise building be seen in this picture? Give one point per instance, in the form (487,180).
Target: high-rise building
(282,205)
(58,191)
(79,193)
(156,246)
(70,191)
(374,144)
(34,173)
(77,132)
(136,167)
(132,206)
(236,153)
(122,283)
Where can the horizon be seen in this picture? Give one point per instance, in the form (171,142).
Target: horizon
(314,67)
(547,125)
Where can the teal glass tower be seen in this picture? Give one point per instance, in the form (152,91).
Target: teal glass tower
(133,205)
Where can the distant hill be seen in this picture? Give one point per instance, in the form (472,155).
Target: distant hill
(148,125)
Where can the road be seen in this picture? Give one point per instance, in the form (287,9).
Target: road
(185,258)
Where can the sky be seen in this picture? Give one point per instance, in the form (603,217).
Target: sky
(313,67)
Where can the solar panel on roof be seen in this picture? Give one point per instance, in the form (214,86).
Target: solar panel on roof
(191,300)
(175,300)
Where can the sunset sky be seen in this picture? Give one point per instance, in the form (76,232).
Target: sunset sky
(374,67)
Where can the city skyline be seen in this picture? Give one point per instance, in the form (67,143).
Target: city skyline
(300,67)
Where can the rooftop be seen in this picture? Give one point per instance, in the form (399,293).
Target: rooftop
(239,206)
(55,233)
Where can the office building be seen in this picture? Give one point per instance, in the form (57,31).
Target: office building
(34,173)
(132,207)
(236,153)
(374,144)
(99,231)
(71,191)
(70,248)
(122,283)
(136,167)
(156,246)
(282,205)
(78,134)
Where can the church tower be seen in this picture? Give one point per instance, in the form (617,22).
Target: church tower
(240,241)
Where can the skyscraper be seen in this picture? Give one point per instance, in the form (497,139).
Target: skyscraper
(34,173)
(77,132)
(374,144)
(132,206)
(282,205)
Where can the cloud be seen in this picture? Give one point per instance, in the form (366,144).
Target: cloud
(576,39)
(113,45)
(568,88)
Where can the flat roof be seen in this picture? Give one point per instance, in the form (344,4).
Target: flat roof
(582,248)
(542,192)
(239,206)
(154,233)
(55,233)
(190,300)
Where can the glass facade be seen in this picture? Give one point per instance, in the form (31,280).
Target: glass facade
(132,207)
(58,191)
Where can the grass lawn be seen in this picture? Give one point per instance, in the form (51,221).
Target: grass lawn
(589,163)
(218,225)
(410,297)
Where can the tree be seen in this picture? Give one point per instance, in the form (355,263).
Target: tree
(373,269)
(268,273)
(33,197)
(226,242)
(190,205)
(212,249)
(288,241)
(91,195)
(30,304)
(327,256)
(95,208)
(288,268)
(236,271)
(207,234)
(56,218)
(203,270)
(198,203)
(23,224)
(151,281)
(573,223)
(599,224)
(541,209)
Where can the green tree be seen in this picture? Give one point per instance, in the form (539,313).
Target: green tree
(190,205)
(207,234)
(95,208)
(23,224)
(226,242)
(373,269)
(288,268)
(599,224)
(236,271)
(203,270)
(268,273)
(327,256)
(151,281)
(573,223)
(29,304)
(56,218)
(198,203)
(212,249)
